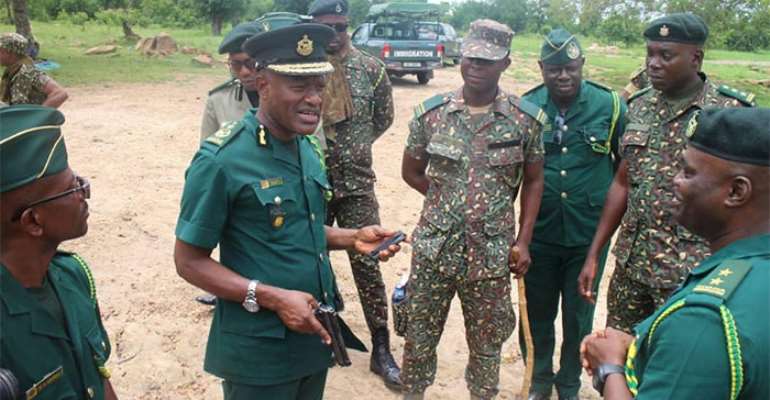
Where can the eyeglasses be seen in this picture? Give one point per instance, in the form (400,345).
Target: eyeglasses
(236,65)
(560,128)
(83,185)
(339,28)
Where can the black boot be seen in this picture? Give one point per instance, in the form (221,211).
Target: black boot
(382,362)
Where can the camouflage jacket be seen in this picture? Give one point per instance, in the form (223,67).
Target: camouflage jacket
(25,86)
(349,156)
(475,168)
(655,249)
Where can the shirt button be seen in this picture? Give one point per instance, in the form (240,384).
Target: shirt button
(592,138)
(312,217)
(563,195)
(563,173)
(91,392)
(564,128)
(278,200)
(104,345)
(321,256)
(564,149)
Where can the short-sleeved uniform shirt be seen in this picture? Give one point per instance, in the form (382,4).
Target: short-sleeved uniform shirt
(52,338)
(580,160)
(475,168)
(26,85)
(687,356)
(263,202)
(651,245)
(227,102)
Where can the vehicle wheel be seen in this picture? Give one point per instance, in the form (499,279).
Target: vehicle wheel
(456,61)
(423,77)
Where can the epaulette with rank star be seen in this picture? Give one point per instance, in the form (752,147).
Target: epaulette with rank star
(224,85)
(748,99)
(530,109)
(429,104)
(226,133)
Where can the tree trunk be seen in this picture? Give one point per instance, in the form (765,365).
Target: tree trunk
(21,20)
(8,10)
(216,24)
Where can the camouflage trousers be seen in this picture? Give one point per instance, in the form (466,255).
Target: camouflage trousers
(356,212)
(629,301)
(489,321)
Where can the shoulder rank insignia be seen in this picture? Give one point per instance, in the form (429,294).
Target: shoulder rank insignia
(637,72)
(638,94)
(228,131)
(692,124)
(224,85)
(530,109)
(599,85)
(724,279)
(429,104)
(747,98)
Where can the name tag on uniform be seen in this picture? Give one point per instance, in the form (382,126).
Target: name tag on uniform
(48,379)
(502,145)
(268,183)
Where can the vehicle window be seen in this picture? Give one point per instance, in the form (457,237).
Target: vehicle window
(395,31)
(359,35)
(449,30)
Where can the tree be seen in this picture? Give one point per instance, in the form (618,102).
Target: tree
(23,27)
(220,11)
(295,6)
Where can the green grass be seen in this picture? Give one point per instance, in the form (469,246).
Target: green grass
(66,44)
(613,69)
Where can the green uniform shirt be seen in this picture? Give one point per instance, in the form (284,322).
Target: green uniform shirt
(262,201)
(579,168)
(687,357)
(51,360)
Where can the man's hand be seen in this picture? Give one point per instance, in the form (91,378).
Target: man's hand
(369,237)
(296,311)
(519,260)
(586,280)
(604,347)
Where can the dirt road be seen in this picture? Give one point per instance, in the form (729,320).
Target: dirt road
(134,142)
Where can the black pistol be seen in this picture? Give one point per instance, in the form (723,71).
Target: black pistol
(328,318)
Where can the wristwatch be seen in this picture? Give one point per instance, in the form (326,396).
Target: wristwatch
(601,374)
(250,302)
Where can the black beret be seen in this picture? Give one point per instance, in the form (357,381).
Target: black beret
(292,50)
(233,41)
(736,134)
(326,7)
(679,27)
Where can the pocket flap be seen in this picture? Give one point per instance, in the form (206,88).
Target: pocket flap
(322,181)
(274,194)
(635,137)
(445,146)
(505,156)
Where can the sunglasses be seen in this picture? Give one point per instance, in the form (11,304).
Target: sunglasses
(339,28)
(83,185)
(236,65)
(560,128)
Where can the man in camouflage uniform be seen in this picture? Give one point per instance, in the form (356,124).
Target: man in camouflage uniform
(654,253)
(638,80)
(358,108)
(468,152)
(581,154)
(22,83)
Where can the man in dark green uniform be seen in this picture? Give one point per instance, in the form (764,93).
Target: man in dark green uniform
(586,120)
(358,109)
(711,339)
(257,189)
(51,333)
(652,253)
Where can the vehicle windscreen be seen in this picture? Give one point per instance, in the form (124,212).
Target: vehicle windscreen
(401,31)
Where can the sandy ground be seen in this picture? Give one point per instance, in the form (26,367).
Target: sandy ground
(134,143)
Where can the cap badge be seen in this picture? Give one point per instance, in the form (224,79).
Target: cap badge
(338,8)
(266,26)
(663,31)
(573,51)
(305,46)
(692,124)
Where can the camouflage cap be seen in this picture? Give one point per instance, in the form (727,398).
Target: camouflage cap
(14,42)
(560,47)
(487,39)
(736,134)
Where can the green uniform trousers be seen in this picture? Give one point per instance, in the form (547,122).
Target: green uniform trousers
(310,387)
(553,275)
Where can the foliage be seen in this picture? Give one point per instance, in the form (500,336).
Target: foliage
(619,28)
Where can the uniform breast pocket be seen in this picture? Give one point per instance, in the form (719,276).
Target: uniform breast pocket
(505,159)
(596,138)
(445,156)
(634,145)
(278,208)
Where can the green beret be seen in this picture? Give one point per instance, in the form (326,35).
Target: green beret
(560,47)
(680,27)
(487,39)
(233,41)
(736,134)
(298,49)
(31,145)
(14,42)
(327,7)
(279,19)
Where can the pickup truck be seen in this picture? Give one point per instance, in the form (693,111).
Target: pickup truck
(391,34)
